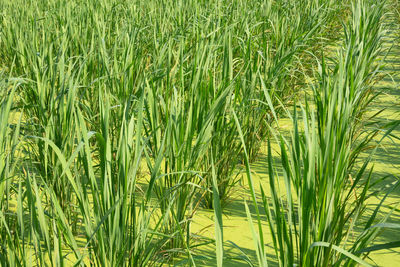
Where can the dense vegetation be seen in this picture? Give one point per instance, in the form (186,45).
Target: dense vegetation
(119,120)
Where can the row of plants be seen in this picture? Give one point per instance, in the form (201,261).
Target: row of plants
(316,210)
(124,118)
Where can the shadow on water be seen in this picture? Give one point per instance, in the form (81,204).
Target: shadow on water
(233,256)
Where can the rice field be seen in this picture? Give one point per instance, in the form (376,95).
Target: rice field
(199,133)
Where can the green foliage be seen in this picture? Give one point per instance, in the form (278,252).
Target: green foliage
(313,220)
(129,116)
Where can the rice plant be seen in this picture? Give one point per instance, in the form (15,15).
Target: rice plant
(8,160)
(313,218)
(129,117)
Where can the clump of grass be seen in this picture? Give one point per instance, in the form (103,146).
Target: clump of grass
(116,221)
(10,159)
(8,141)
(325,192)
